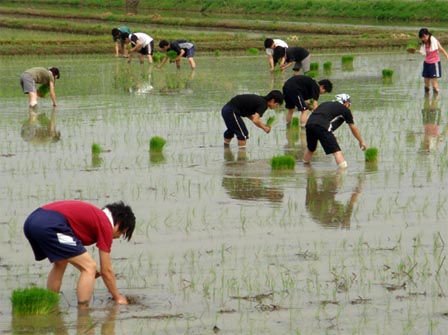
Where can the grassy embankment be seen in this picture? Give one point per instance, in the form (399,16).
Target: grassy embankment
(83,26)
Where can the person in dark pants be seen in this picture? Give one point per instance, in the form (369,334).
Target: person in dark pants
(251,106)
(323,122)
(118,36)
(298,89)
(183,49)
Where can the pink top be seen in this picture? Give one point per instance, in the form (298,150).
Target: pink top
(432,57)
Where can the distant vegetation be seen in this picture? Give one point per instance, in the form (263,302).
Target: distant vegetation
(83,26)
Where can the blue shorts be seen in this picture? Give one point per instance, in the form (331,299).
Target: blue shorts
(51,237)
(189,53)
(432,70)
(326,138)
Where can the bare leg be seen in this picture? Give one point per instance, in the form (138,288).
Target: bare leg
(227,142)
(241,143)
(304,117)
(289,115)
(339,158)
(54,280)
(427,82)
(87,266)
(435,85)
(192,62)
(32,99)
(307,156)
(149,59)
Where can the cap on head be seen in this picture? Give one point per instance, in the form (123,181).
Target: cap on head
(343,98)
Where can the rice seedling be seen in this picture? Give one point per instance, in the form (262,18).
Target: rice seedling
(253,51)
(314,67)
(33,301)
(156,144)
(157,57)
(327,67)
(387,73)
(171,54)
(283,162)
(347,62)
(411,46)
(371,154)
(43,90)
(312,74)
(270,121)
(295,122)
(217,53)
(97,149)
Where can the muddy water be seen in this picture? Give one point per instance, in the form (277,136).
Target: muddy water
(223,244)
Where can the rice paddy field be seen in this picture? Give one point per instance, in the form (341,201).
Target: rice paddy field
(223,243)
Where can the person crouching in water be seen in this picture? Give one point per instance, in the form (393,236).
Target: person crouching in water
(321,124)
(251,106)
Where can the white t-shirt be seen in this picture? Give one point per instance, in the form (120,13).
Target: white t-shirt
(144,39)
(278,43)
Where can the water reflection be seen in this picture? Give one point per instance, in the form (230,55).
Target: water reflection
(321,200)
(178,83)
(241,181)
(295,142)
(431,115)
(38,128)
(39,324)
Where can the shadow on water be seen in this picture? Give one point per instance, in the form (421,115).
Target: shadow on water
(322,199)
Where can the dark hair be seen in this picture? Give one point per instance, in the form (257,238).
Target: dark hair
(124,35)
(124,217)
(279,52)
(424,31)
(163,43)
(116,32)
(276,95)
(328,85)
(268,43)
(55,72)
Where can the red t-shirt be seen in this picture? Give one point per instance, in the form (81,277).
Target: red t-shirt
(89,223)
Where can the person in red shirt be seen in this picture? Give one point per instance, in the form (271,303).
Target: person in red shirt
(60,231)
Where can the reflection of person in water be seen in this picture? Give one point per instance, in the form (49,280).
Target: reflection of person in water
(431,120)
(243,182)
(38,128)
(321,200)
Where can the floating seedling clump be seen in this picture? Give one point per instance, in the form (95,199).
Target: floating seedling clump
(327,67)
(314,67)
(33,301)
(43,90)
(387,73)
(171,54)
(347,62)
(156,144)
(96,149)
(312,74)
(284,162)
(371,154)
(295,122)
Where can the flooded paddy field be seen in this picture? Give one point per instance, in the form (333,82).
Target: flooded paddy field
(223,244)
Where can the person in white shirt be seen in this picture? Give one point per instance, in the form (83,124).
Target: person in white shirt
(270,45)
(141,43)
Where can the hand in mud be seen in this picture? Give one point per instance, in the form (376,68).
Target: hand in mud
(121,299)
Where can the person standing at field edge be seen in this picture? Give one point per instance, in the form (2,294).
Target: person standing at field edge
(118,36)
(270,44)
(251,106)
(183,49)
(39,75)
(321,124)
(60,231)
(432,68)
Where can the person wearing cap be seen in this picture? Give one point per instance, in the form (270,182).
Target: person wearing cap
(182,48)
(251,106)
(297,56)
(60,231)
(298,90)
(118,36)
(39,75)
(321,124)
(141,43)
(270,44)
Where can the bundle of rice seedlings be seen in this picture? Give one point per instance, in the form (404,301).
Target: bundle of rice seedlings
(33,301)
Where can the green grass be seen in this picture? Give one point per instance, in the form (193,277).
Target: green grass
(33,301)
(284,162)
(253,51)
(156,144)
